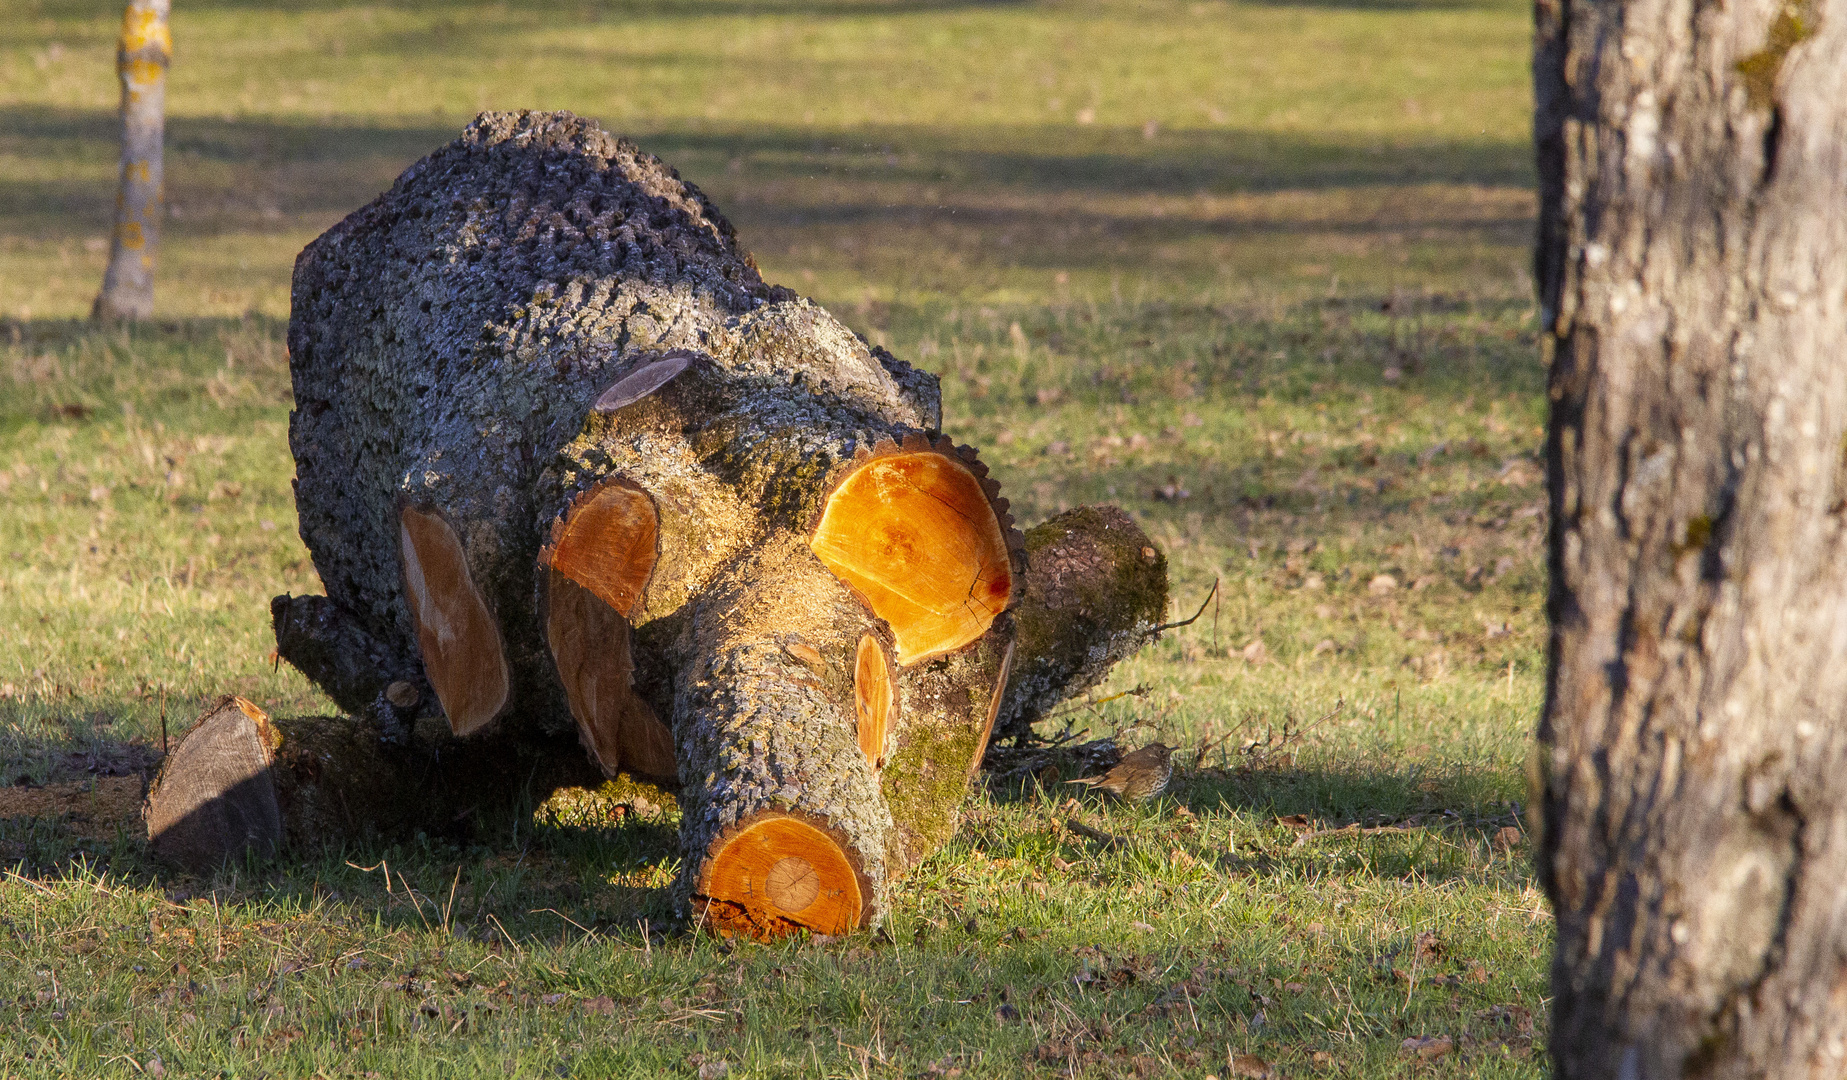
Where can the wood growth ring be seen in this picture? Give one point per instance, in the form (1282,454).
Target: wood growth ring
(779,874)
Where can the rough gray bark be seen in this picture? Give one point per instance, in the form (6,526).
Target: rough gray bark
(142,56)
(447,343)
(357,672)
(1693,754)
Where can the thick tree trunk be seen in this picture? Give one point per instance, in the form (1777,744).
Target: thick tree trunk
(142,56)
(1693,753)
(565,463)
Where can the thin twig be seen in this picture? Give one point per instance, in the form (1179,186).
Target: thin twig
(1199,759)
(1106,839)
(1196,614)
(28,881)
(517,952)
(449,908)
(1350,830)
(588,933)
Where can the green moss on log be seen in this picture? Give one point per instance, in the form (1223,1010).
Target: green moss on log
(1096,587)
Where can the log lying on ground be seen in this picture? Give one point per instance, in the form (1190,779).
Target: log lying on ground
(567,465)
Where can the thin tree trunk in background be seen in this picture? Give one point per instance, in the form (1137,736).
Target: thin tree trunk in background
(141,61)
(1693,753)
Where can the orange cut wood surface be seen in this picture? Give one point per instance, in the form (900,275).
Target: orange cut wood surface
(777,875)
(872,698)
(591,649)
(607,543)
(462,652)
(915,535)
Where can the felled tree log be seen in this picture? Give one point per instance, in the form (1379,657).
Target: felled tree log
(566,464)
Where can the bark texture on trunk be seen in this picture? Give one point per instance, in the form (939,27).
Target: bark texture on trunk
(142,55)
(1693,754)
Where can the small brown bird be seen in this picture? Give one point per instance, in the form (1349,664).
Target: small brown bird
(1138,777)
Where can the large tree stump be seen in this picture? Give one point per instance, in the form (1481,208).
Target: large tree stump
(565,463)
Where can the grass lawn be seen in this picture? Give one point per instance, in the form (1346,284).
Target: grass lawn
(1255,271)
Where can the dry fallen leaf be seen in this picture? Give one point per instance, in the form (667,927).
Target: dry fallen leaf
(1382,584)
(1427,1047)
(1250,1067)
(601,1005)
(1508,838)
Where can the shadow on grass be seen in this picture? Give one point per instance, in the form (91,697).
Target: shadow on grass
(220,174)
(74,371)
(600,867)
(264,174)
(582,10)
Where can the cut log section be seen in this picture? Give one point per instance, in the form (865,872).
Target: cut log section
(941,710)
(767,733)
(912,530)
(872,699)
(1094,590)
(779,874)
(591,645)
(462,651)
(600,557)
(995,701)
(631,388)
(607,540)
(238,784)
(213,798)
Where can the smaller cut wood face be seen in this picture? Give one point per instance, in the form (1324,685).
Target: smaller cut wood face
(779,874)
(601,554)
(915,535)
(872,698)
(462,650)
